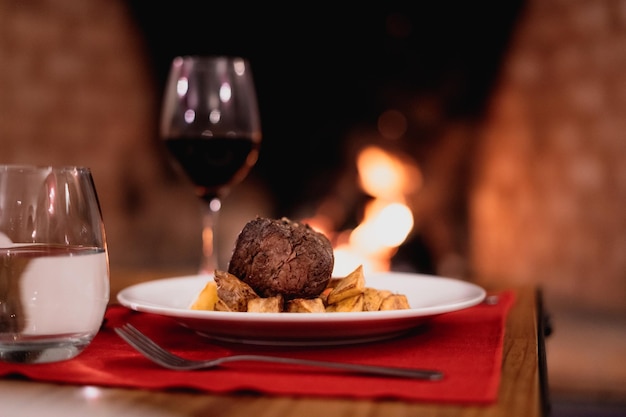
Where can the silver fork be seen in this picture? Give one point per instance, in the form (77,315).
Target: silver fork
(156,353)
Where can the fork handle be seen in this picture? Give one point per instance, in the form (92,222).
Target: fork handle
(428,374)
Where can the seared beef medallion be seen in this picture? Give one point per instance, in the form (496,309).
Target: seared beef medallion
(281,256)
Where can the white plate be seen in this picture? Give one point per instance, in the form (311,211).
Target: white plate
(428,296)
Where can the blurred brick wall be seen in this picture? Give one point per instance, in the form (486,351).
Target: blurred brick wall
(75,89)
(549,201)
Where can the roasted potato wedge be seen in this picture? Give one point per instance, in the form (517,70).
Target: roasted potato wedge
(305,305)
(353,284)
(350,304)
(266,305)
(233,292)
(395,302)
(206,298)
(373,298)
(220,305)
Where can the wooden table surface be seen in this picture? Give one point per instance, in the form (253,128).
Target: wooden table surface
(522,389)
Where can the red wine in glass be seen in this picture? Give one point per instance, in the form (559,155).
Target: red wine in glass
(214,164)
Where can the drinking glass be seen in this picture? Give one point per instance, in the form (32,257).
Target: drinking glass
(54,268)
(210,125)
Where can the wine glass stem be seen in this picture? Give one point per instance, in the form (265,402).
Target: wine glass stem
(210,258)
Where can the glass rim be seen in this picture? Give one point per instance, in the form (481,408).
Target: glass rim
(199,59)
(209,57)
(38,168)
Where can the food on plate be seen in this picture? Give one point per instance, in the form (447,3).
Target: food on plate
(228,293)
(353,303)
(373,298)
(350,286)
(281,256)
(232,293)
(273,304)
(306,305)
(207,298)
(394,302)
(285,266)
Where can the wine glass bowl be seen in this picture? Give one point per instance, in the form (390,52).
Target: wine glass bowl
(211,128)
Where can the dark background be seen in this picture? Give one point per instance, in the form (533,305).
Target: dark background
(319,72)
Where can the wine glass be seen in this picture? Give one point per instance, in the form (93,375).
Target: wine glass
(211,127)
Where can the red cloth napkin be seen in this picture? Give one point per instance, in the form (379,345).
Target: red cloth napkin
(466,345)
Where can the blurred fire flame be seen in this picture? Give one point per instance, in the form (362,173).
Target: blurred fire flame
(388,178)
